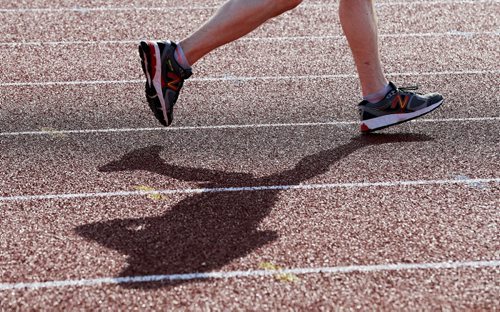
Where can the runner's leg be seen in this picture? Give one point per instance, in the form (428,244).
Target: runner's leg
(359,24)
(233,20)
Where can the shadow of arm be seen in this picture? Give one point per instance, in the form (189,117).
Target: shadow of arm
(319,163)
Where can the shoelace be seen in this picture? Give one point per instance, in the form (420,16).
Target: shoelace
(408,89)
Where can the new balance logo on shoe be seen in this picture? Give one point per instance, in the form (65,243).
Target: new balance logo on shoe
(173,83)
(401,101)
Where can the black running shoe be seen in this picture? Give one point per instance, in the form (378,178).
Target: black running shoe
(398,106)
(164,78)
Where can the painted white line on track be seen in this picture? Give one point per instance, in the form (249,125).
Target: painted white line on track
(373,268)
(70,83)
(248,189)
(242,78)
(242,126)
(186,128)
(81,9)
(466,34)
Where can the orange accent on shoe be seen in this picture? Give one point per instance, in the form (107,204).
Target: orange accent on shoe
(401,101)
(174,80)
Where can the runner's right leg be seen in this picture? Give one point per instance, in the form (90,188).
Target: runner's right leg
(165,75)
(384,104)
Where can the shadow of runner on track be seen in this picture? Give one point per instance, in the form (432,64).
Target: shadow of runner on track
(206,231)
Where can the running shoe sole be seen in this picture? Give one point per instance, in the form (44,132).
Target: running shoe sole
(151,65)
(385,121)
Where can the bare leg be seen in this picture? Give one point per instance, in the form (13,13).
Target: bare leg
(233,20)
(359,24)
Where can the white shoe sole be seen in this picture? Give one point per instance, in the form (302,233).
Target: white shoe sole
(394,119)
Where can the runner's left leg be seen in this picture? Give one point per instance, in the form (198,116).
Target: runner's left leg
(233,20)
(167,65)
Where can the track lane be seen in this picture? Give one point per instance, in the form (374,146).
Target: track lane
(125,4)
(305,20)
(469,289)
(123,162)
(227,103)
(94,238)
(296,58)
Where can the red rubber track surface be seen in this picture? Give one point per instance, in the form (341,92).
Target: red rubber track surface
(248,127)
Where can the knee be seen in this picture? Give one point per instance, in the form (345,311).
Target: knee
(285,5)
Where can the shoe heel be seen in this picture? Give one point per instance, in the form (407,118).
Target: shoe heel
(145,62)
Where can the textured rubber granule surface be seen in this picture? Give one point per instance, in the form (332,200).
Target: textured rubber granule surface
(263,169)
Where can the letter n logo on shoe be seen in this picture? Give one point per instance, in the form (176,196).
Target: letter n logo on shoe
(400,101)
(172,84)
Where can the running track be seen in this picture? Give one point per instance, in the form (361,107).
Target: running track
(263,195)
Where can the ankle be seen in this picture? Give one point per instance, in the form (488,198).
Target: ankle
(378,95)
(181,57)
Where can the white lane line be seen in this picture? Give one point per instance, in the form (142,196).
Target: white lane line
(243,78)
(373,268)
(466,34)
(70,83)
(242,126)
(188,128)
(80,9)
(248,189)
